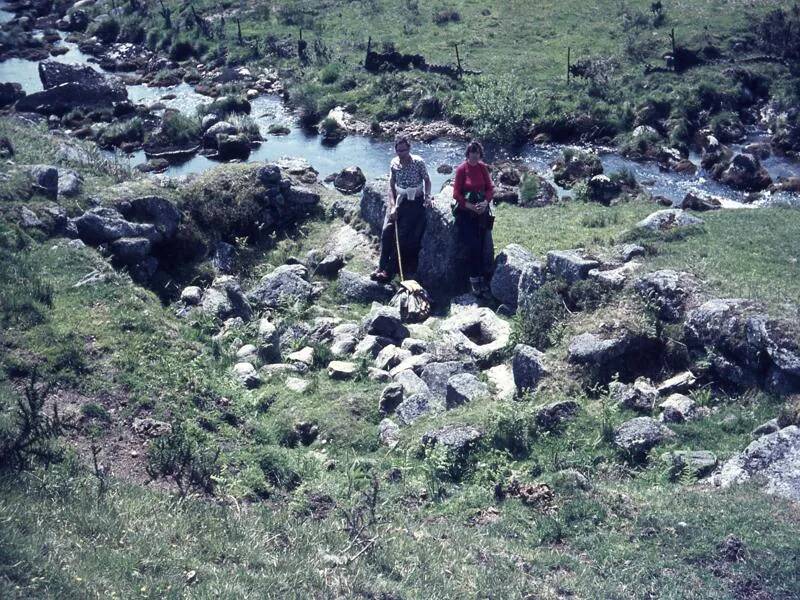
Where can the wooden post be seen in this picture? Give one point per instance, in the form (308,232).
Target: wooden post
(239,29)
(569,50)
(458,60)
(672,39)
(369,47)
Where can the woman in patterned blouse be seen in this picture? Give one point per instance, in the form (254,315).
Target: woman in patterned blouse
(409,197)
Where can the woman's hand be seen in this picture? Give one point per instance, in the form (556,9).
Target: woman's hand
(480,207)
(427,201)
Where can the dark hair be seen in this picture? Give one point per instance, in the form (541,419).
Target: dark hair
(474,146)
(401,139)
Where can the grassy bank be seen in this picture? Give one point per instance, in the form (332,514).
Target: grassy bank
(519,48)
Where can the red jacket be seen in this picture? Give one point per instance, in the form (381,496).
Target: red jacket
(472,179)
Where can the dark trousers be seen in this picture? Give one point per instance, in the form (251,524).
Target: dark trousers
(475,239)
(411,221)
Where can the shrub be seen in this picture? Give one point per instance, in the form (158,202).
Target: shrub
(28,436)
(329,125)
(498,107)
(443,17)
(276,463)
(279,129)
(95,412)
(246,125)
(329,74)
(25,296)
(512,430)
(587,295)
(115,134)
(107,30)
(538,316)
(529,189)
(224,205)
(624,178)
(178,457)
(181,50)
(177,130)
(233,103)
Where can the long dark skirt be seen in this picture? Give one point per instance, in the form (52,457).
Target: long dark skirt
(411,220)
(476,241)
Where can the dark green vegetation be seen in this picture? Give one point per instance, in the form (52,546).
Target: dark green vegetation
(619,78)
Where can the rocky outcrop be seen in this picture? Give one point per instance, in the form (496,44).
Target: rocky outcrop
(747,347)
(746,173)
(773,459)
(638,436)
(285,285)
(68,86)
(670,292)
(477,333)
(508,268)
(670,218)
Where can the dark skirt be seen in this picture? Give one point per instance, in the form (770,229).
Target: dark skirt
(411,222)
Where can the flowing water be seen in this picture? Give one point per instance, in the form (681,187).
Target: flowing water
(372,155)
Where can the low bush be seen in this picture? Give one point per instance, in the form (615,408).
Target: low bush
(182,50)
(498,107)
(277,465)
(177,130)
(539,315)
(28,435)
(131,130)
(178,457)
(106,30)
(529,189)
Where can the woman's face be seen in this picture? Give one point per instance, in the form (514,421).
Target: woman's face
(473,158)
(403,150)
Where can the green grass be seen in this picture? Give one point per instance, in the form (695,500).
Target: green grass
(522,41)
(743,253)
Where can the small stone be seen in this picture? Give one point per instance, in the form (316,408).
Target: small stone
(698,462)
(770,426)
(411,383)
(297,385)
(501,378)
(416,406)
(552,416)
(246,373)
(391,397)
(248,350)
(378,375)
(463,388)
(390,357)
(637,436)
(304,356)
(528,367)
(677,409)
(570,265)
(388,433)
(191,295)
(682,382)
(414,346)
(339,369)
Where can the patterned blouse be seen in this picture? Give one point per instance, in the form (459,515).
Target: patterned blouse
(411,175)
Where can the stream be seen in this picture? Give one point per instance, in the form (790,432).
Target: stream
(372,155)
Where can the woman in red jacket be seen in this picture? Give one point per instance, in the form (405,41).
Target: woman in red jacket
(473,191)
